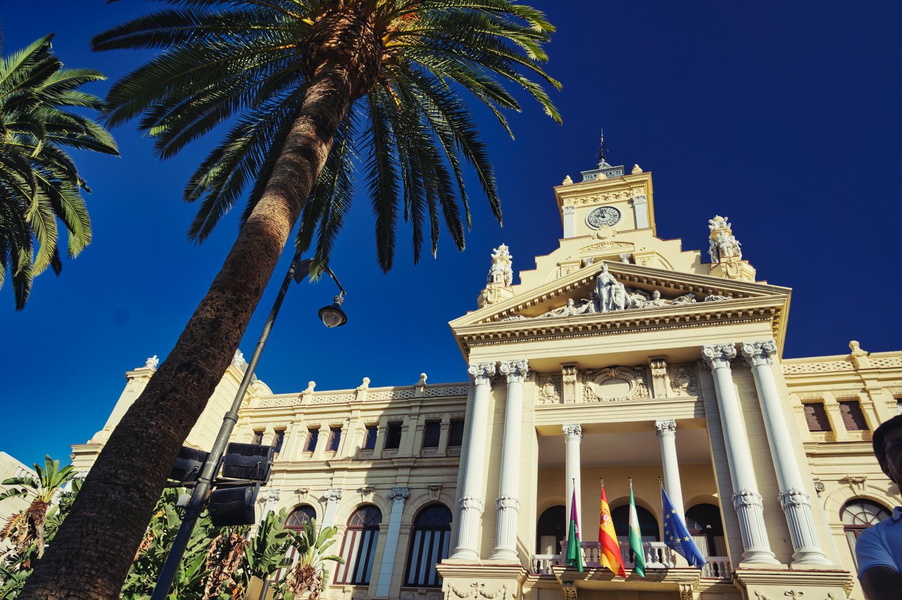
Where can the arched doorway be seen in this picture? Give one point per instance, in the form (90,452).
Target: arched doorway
(705,527)
(550,530)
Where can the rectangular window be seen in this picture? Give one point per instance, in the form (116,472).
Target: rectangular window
(431,434)
(334,439)
(816,417)
(278,440)
(312,438)
(258,436)
(393,436)
(852,417)
(369,440)
(456,433)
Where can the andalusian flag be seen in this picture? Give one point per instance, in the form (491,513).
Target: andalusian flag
(607,538)
(636,536)
(574,548)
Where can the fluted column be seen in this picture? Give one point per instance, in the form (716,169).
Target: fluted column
(746,499)
(333,495)
(398,496)
(471,503)
(796,503)
(667,435)
(508,502)
(573,435)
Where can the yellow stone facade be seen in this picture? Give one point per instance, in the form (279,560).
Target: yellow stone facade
(619,356)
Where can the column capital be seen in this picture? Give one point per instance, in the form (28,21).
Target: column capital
(666,427)
(482,372)
(757,354)
(399,494)
(333,495)
(515,370)
(573,431)
(718,355)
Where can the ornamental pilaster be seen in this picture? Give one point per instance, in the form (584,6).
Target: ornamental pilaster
(398,496)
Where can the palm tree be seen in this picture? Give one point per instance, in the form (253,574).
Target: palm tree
(38,179)
(307,87)
(27,527)
(309,573)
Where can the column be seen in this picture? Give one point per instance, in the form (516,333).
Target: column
(746,499)
(398,496)
(470,504)
(667,435)
(796,503)
(573,435)
(332,496)
(508,502)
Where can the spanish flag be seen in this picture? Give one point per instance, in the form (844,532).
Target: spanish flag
(607,538)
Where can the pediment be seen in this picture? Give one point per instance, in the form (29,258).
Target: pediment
(646,298)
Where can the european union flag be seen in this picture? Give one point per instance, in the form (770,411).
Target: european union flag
(677,537)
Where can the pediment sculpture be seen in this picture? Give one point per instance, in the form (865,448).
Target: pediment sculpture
(611,295)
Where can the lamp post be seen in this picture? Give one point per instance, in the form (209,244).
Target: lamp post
(331,316)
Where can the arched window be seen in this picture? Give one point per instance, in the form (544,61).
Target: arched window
(550,530)
(705,527)
(299,516)
(648,524)
(429,545)
(359,546)
(857,515)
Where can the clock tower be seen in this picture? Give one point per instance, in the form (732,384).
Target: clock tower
(606,200)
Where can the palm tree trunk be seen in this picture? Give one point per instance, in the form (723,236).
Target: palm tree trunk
(91,554)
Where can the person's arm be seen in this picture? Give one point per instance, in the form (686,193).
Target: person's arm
(881,583)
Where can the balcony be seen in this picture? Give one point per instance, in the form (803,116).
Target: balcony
(657,556)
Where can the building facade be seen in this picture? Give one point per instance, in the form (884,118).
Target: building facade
(620,357)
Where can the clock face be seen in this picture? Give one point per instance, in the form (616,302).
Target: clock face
(603,216)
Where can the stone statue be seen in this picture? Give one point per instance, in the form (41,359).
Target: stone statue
(722,246)
(501,271)
(604,292)
(618,296)
(152,363)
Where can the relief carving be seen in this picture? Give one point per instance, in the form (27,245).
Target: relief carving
(568,376)
(683,381)
(477,590)
(549,389)
(616,384)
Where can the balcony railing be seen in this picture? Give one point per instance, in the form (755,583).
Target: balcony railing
(657,556)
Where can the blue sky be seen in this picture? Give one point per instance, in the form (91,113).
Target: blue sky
(782,116)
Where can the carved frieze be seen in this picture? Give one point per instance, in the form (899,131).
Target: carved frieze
(614,384)
(479,590)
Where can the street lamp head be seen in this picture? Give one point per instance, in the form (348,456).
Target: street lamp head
(333,316)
